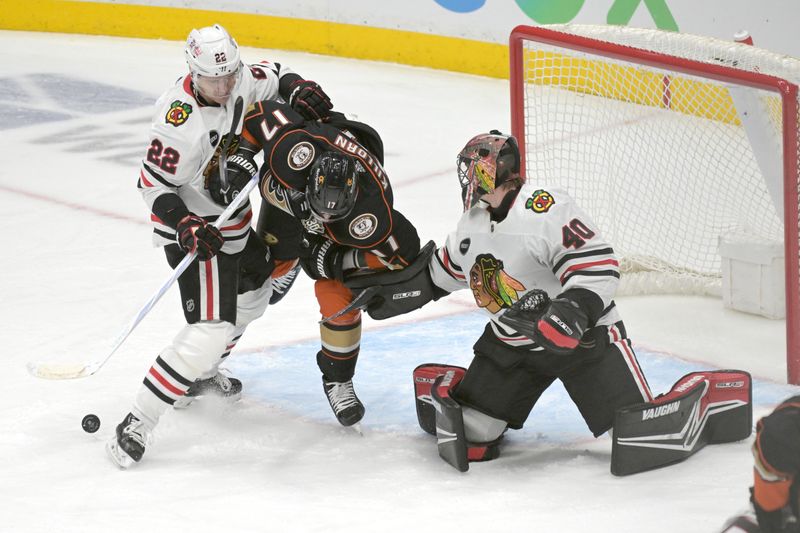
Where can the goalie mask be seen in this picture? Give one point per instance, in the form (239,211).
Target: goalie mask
(486,162)
(332,186)
(214,62)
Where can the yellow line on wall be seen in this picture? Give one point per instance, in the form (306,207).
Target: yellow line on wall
(345,40)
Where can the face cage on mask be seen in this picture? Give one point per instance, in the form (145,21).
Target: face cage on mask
(471,192)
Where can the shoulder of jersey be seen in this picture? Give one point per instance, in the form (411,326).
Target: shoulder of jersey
(175,108)
(536,201)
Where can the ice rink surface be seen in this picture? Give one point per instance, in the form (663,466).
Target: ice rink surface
(78,264)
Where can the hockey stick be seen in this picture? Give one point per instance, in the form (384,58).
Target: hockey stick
(223,156)
(51,370)
(360,301)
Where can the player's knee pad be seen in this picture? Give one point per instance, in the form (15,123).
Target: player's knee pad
(480,427)
(252,304)
(198,346)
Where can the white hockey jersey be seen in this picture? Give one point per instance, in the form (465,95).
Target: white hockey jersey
(546,242)
(185,140)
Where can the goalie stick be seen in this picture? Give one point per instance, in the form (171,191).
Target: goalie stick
(55,370)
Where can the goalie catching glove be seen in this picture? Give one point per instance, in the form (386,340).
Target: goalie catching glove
(240,170)
(556,325)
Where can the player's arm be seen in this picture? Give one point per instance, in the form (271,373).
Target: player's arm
(304,96)
(170,163)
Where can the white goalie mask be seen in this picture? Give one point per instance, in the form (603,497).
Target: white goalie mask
(214,62)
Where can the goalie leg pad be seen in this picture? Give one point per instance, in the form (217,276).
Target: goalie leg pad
(701,408)
(450,437)
(424,376)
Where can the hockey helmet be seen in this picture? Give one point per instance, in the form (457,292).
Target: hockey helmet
(332,186)
(486,162)
(214,62)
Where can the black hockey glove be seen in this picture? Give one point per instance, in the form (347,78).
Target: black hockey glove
(308,99)
(241,169)
(556,325)
(194,233)
(322,258)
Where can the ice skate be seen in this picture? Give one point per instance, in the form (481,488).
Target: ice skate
(219,385)
(345,404)
(129,441)
(281,285)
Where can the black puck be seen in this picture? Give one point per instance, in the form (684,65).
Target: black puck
(90,423)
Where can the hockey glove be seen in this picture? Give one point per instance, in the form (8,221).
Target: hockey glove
(195,234)
(308,99)
(322,258)
(241,169)
(556,325)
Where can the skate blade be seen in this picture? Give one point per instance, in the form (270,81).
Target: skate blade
(186,401)
(357,428)
(119,457)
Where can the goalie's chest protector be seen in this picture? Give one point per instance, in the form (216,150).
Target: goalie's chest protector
(501,261)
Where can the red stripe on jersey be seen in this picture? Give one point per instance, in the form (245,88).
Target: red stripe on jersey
(245,221)
(583,266)
(209,290)
(156,219)
(144,180)
(166,384)
(448,263)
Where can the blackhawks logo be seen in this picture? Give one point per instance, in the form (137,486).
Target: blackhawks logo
(540,201)
(178,113)
(491,286)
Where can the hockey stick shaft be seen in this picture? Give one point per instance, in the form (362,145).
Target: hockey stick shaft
(360,301)
(223,156)
(72,371)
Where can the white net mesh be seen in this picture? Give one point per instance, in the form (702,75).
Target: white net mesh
(666,163)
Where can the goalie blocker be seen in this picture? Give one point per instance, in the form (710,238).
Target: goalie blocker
(440,415)
(396,292)
(702,408)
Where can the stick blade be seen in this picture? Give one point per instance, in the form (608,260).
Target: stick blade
(46,370)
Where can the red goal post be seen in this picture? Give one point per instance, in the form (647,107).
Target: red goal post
(665,138)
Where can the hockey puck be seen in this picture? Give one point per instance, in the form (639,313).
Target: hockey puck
(90,423)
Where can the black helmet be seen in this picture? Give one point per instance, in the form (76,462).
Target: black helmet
(331,190)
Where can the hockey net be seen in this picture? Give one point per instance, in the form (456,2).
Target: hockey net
(670,141)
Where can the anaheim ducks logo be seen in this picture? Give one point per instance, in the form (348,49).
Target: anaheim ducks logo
(178,113)
(491,286)
(540,201)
